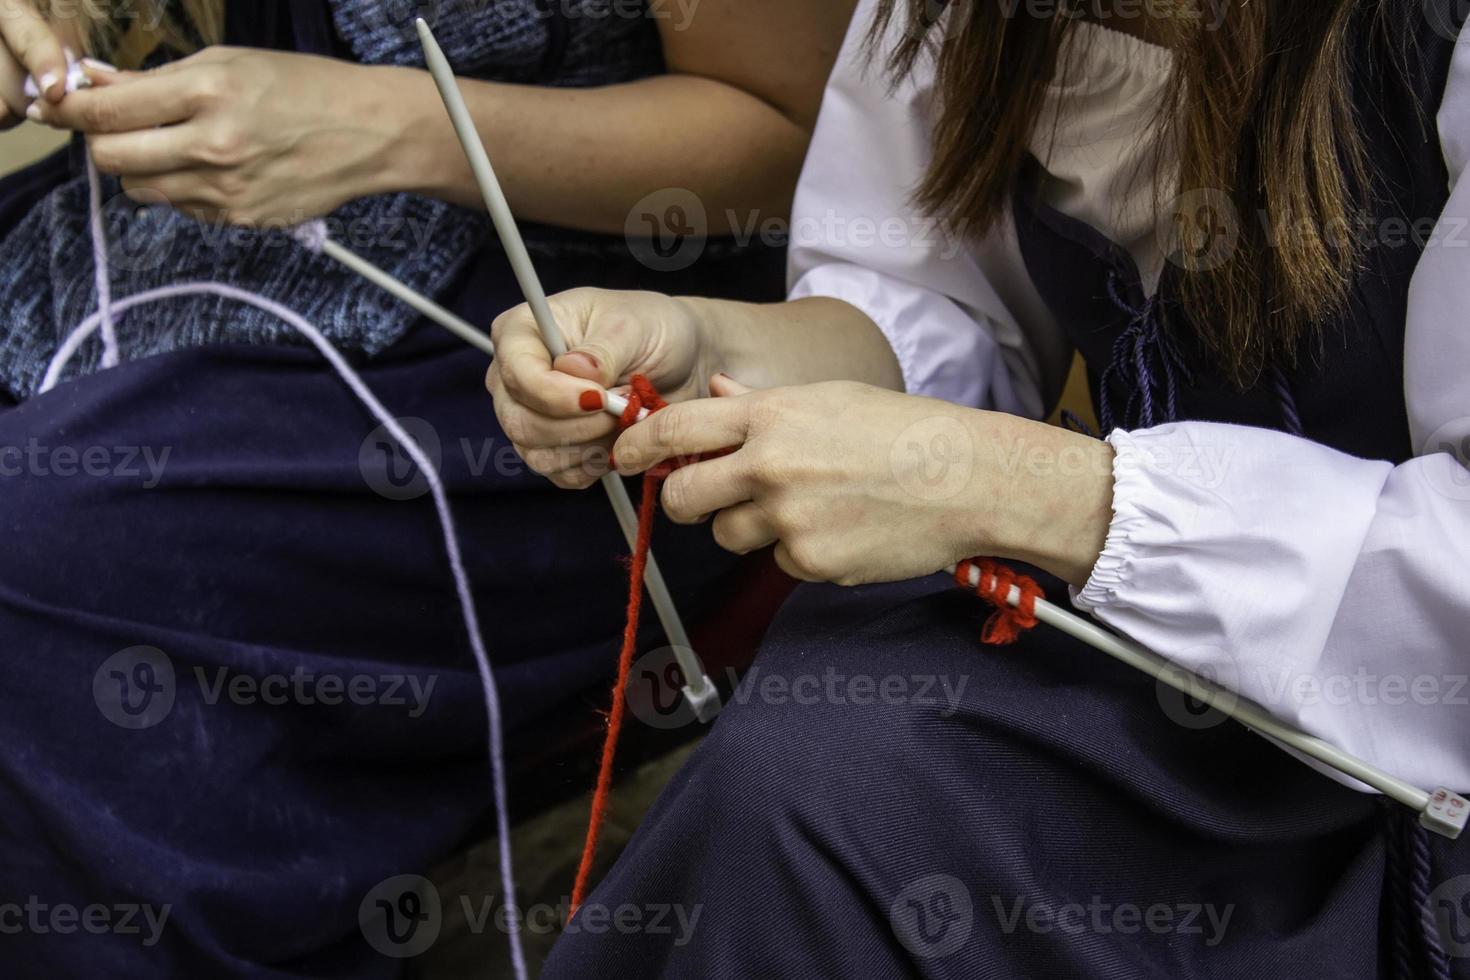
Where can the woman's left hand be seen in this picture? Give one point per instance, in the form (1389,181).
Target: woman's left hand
(855,484)
(241,135)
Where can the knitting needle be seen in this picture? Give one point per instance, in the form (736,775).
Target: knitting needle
(499,208)
(704,698)
(459,327)
(615,404)
(1437,811)
(699,689)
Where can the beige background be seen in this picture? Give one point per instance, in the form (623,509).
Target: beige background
(25,144)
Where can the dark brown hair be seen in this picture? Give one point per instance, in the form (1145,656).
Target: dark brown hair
(1258,109)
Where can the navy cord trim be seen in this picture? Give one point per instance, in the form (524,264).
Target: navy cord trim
(1144,360)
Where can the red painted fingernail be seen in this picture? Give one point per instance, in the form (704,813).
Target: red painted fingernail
(591,401)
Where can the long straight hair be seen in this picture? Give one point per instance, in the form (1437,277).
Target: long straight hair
(1258,109)
(127,31)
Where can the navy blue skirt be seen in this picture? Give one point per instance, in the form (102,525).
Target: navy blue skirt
(886,797)
(238,688)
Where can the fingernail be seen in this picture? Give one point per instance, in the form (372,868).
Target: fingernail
(591,401)
(98,65)
(33,112)
(46,82)
(596,364)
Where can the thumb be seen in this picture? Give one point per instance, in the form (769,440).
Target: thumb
(724,386)
(588,361)
(101,73)
(607,356)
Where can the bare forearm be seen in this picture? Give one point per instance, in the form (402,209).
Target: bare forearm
(802,342)
(1053,503)
(582,158)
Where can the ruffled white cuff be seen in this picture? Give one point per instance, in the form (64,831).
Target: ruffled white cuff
(1130,521)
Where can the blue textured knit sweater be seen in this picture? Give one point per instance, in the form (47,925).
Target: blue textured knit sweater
(46,276)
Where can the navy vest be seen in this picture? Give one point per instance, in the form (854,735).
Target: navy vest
(1347,391)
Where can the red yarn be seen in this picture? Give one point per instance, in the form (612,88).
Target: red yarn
(643,396)
(1008,622)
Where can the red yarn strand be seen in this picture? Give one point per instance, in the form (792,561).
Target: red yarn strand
(643,396)
(601,797)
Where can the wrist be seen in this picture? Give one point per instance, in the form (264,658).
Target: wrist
(712,353)
(419,153)
(1052,503)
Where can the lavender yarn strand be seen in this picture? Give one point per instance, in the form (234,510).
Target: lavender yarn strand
(104,319)
(110,356)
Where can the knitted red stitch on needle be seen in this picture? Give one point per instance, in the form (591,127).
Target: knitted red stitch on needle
(1008,622)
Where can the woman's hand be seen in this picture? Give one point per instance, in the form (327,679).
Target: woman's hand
(236,134)
(552,411)
(855,484)
(29,47)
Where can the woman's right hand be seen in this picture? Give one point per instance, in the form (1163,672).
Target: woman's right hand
(551,412)
(29,46)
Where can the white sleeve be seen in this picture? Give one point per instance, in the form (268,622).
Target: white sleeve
(951,308)
(1334,591)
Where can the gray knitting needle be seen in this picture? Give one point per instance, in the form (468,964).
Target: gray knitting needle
(698,688)
(458,326)
(1442,811)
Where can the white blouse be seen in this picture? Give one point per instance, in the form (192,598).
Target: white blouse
(1332,590)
